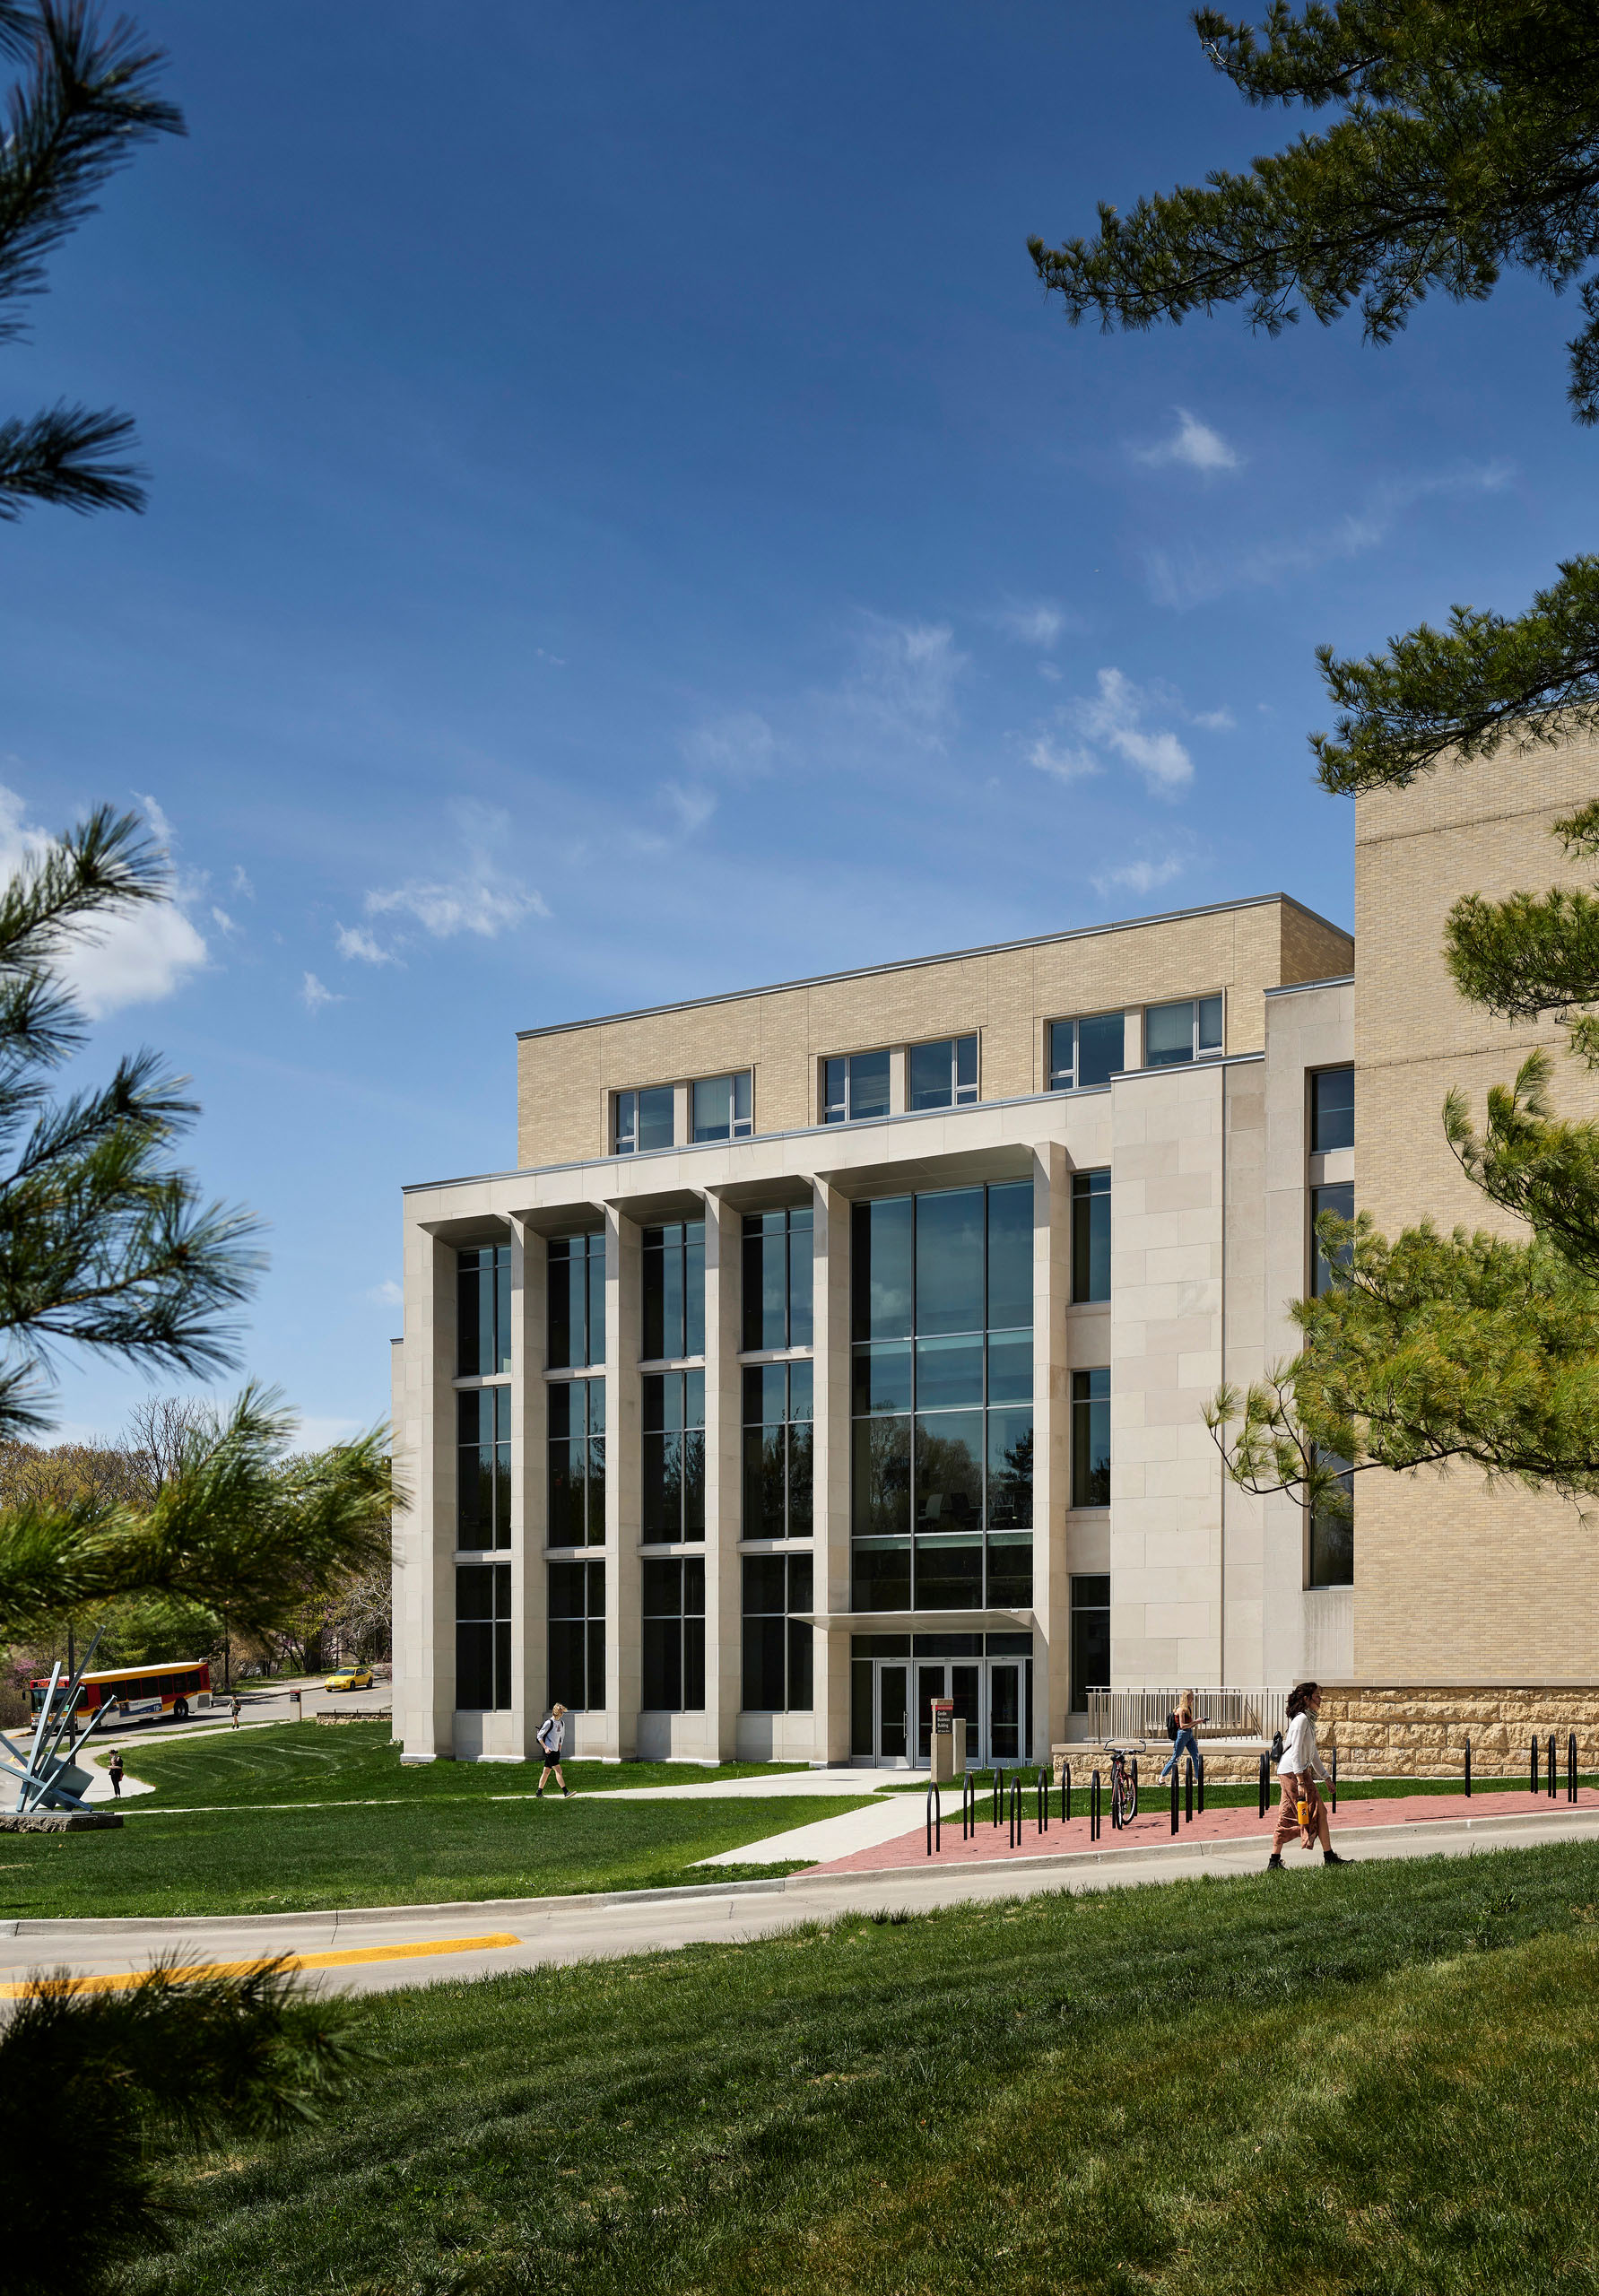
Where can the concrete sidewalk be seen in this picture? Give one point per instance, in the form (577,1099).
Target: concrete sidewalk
(378,1949)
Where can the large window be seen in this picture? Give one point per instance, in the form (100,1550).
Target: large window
(1173,1033)
(1340,1199)
(483,1313)
(943,1075)
(577,1291)
(778,1645)
(483,1467)
(778,1278)
(1332,1555)
(673,1290)
(483,1636)
(942,1400)
(719,1108)
(1332,1109)
(855,1087)
(645,1120)
(674,1637)
(577,1462)
(1091,1439)
(1090,1639)
(674,1455)
(578,1635)
(777,1450)
(1091,1237)
(1086,1052)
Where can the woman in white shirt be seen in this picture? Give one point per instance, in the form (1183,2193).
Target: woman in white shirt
(1300,1767)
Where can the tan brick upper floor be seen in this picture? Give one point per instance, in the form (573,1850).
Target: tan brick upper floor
(568,1076)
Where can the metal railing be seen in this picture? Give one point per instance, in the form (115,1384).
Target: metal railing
(1230,1713)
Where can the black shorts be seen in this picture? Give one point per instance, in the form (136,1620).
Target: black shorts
(551,1761)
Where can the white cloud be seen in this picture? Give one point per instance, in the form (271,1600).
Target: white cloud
(165,836)
(242,883)
(480,900)
(906,681)
(136,956)
(693,807)
(387,1294)
(1215,721)
(1114,719)
(314,996)
(740,746)
(1042,624)
(1139,877)
(1061,763)
(556,661)
(221,920)
(355,941)
(1193,443)
(1047,670)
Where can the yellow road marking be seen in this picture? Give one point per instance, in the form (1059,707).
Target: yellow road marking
(499,1937)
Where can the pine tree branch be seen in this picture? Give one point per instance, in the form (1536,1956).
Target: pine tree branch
(61,457)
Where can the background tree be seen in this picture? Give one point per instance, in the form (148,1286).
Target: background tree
(82,100)
(1463,139)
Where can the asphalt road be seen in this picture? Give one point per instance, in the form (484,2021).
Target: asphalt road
(380,1949)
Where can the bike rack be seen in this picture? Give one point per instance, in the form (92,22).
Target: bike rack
(1551,1767)
(1093,1808)
(1571,1766)
(999,1791)
(1174,1816)
(934,1817)
(1534,1788)
(1264,1791)
(1468,1770)
(1015,1811)
(1188,1789)
(1065,1793)
(968,1807)
(1043,1799)
(1334,1781)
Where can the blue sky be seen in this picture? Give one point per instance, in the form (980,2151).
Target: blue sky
(625,525)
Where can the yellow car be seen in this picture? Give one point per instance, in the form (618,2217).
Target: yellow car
(349,1678)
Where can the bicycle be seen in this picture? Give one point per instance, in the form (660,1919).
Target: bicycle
(1123,1782)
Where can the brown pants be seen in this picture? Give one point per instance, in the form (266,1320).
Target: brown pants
(1288,1814)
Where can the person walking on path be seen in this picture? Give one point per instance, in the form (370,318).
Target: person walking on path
(552,1736)
(114,1772)
(233,1710)
(1302,1812)
(1184,1742)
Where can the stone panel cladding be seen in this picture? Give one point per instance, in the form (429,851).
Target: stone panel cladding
(1421,1731)
(1007,994)
(1443,1587)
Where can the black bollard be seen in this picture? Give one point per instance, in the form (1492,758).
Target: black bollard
(1534,1785)
(1188,1790)
(1202,1791)
(1065,1794)
(998,1790)
(1334,1781)
(1552,1766)
(1093,1808)
(968,1807)
(1265,1773)
(935,1816)
(1043,1799)
(1468,1770)
(1571,1766)
(1174,1820)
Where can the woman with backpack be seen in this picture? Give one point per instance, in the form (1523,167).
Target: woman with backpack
(1302,1812)
(552,1736)
(1180,1730)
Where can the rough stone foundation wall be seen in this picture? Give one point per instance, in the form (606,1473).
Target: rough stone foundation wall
(1416,1732)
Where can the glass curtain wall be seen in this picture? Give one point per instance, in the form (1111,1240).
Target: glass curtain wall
(577,1302)
(576,1635)
(778,1279)
(674,1455)
(483,1636)
(1091,1439)
(483,1466)
(777,1450)
(576,1463)
(673,1272)
(942,1382)
(483,1313)
(778,1645)
(674,1637)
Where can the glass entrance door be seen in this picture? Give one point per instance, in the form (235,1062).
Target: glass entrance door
(902,1700)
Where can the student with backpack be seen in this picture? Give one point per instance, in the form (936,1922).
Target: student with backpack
(114,1772)
(552,1737)
(1303,1811)
(1180,1730)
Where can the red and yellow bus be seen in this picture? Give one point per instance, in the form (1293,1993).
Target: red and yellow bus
(139,1693)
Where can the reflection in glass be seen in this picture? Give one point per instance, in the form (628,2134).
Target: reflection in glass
(1010,1469)
(948,1471)
(1091,1439)
(1091,1237)
(881,1268)
(1011,1574)
(1339,1199)
(1332,1109)
(1010,1367)
(949,1372)
(948,1261)
(881,1477)
(948,1574)
(1009,1256)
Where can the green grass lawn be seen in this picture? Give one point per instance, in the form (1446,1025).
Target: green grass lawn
(303,1816)
(1377,2081)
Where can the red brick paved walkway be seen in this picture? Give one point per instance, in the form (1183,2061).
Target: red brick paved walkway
(1151,1828)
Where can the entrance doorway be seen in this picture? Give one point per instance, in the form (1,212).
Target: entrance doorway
(894,1699)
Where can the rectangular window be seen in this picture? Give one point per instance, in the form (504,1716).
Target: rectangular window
(1339,1199)
(1091,1237)
(1091,1439)
(778,1645)
(483,1636)
(674,1637)
(483,1467)
(674,1261)
(1332,1557)
(943,1075)
(578,1635)
(778,1279)
(576,1463)
(720,1106)
(1332,1109)
(1173,1033)
(645,1120)
(777,1450)
(855,1087)
(1082,1053)
(941,1399)
(1090,1639)
(674,1455)
(576,1302)
(483,1313)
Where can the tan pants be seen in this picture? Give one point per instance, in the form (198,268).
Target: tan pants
(1288,1814)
